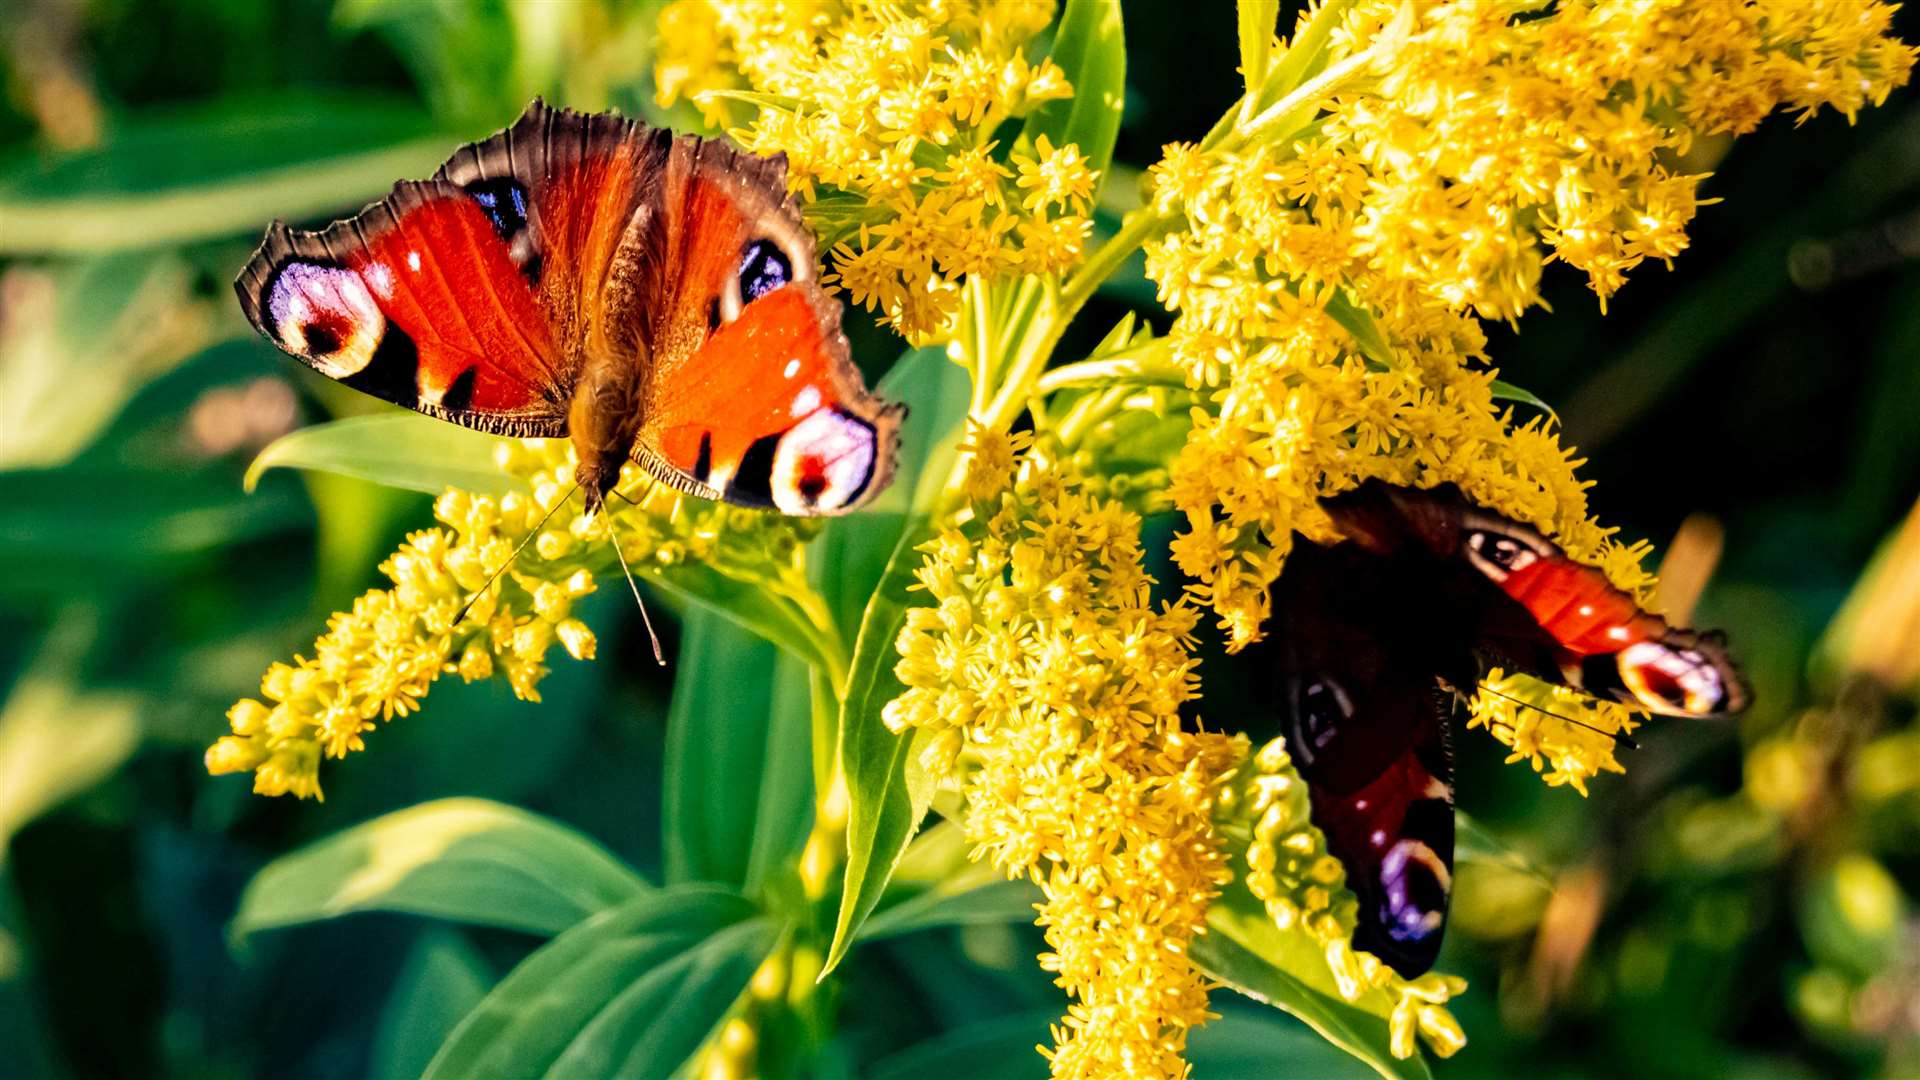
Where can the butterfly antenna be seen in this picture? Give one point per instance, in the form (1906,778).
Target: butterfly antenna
(515,557)
(659,657)
(1619,737)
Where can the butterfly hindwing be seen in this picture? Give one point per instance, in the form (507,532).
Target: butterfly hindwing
(771,413)
(1366,725)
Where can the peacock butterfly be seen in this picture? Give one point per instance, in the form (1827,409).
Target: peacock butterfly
(645,294)
(1376,638)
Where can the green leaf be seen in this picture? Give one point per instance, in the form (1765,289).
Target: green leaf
(738,782)
(1238,1045)
(978,895)
(397,448)
(80,342)
(173,176)
(938,883)
(852,551)
(883,806)
(633,992)
(1244,1044)
(1257,21)
(882,810)
(442,981)
(1506,391)
(87,527)
(463,859)
(464,57)
(1090,45)
(58,738)
(1358,322)
(1005,1048)
(746,603)
(1288,969)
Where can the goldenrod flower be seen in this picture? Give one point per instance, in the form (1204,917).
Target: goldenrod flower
(1527,715)
(887,114)
(379,658)
(1466,149)
(1058,177)
(1050,681)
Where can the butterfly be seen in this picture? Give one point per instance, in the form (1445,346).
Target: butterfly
(1374,641)
(644,294)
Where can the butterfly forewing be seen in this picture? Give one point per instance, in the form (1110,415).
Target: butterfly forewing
(1563,622)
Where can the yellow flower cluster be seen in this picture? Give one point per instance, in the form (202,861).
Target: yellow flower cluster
(1328,265)
(887,113)
(1263,813)
(1526,714)
(1043,673)
(378,659)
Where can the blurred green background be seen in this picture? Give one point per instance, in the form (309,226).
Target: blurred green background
(1744,901)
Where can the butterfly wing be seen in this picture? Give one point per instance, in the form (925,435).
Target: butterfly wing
(474,295)
(1524,602)
(1370,635)
(1366,724)
(674,271)
(415,301)
(753,396)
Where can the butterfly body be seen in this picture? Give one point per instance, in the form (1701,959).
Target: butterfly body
(646,295)
(1374,640)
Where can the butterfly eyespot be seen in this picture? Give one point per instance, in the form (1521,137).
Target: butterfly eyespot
(323,338)
(823,464)
(326,315)
(1498,555)
(1320,707)
(1673,682)
(763,268)
(1415,883)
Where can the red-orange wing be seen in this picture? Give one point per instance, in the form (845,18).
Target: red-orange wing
(752,394)
(1554,618)
(770,412)
(469,296)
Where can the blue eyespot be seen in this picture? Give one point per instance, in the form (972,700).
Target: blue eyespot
(763,268)
(504,201)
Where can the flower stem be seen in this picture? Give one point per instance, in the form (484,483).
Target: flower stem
(1135,229)
(1145,365)
(1290,113)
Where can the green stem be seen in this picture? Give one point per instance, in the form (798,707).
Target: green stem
(819,619)
(1145,365)
(1135,229)
(1087,412)
(1303,100)
(1043,318)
